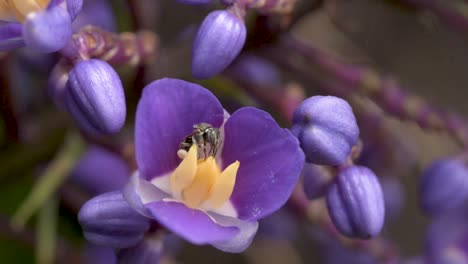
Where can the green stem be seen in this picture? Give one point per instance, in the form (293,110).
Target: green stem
(54,175)
(47,232)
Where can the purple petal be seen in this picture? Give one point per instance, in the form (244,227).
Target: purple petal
(242,240)
(108,220)
(74,7)
(139,192)
(11,36)
(99,255)
(270,162)
(191,224)
(100,170)
(48,31)
(166,113)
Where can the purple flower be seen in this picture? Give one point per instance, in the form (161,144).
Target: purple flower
(42,25)
(355,202)
(444,186)
(218,42)
(394,196)
(326,128)
(255,70)
(204,175)
(95,97)
(100,170)
(316,180)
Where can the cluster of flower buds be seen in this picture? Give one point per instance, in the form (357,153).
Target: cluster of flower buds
(327,131)
(42,25)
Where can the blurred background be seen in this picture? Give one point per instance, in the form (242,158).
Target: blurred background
(411,44)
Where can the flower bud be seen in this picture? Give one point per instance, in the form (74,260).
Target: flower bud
(444,186)
(316,180)
(326,128)
(47,31)
(355,203)
(108,220)
(146,252)
(218,42)
(99,171)
(95,97)
(255,70)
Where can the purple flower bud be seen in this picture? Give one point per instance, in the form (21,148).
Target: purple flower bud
(355,203)
(99,255)
(444,186)
(100,170)
(57,87)
(316,180)
(326,128)
(74,7)
(95,97)
(146,252)
(108,220)
(218,42)
(394,196)
(95,12)
(47,31)
(255,70)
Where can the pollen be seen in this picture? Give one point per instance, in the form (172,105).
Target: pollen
(196,182)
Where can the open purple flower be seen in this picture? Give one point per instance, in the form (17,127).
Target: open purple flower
(204,175)
(43,25)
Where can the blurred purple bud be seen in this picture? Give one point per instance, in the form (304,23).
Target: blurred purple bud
(218,42)
(74,7)
(316,180)
(108,220)
(444,186)
(11,36)
(256,70)
(57,87)
(355,203)
(47,31)
(326,128)
(100,170)
(95,97)
(195,2)
(148,251)
(393,196)
(99,255)
(97,13)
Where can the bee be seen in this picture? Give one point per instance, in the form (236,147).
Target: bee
(207,139)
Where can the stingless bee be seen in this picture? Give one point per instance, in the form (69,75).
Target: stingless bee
(207,139)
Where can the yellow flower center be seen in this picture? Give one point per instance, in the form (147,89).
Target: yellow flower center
(199,182)
(17,10)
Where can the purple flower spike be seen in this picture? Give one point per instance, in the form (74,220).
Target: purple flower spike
(48,31)
(108,220)
(444,186)
(96,98)
(100,170)
(326,128)
(316,180)
(218,42)
(355,203)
